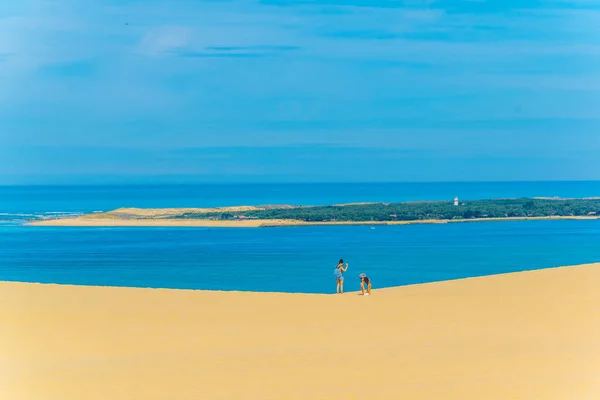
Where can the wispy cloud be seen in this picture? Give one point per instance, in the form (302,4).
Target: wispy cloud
(296,70)
(166,39)
(354,3)
(253,48)
(234,51)
(200,54)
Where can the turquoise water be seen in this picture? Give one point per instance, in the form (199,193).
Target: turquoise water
(294,259)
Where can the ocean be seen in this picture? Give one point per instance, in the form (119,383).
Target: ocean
(290,259)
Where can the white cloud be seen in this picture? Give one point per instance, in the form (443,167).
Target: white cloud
(326,69)
(163,39)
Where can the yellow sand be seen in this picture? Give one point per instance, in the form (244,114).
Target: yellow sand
(168,212)
(115,222)
(115,219)
(533,335)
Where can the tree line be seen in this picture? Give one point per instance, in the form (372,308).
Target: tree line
(423,210)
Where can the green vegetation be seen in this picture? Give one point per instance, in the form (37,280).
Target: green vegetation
(425,210)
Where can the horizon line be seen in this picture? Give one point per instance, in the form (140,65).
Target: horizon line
(291,183)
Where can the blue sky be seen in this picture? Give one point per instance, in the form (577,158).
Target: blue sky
(179,91)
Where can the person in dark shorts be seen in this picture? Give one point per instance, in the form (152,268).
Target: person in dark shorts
(365,281)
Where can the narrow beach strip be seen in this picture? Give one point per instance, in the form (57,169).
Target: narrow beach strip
(265,223)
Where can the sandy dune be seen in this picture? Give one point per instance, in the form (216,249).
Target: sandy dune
(532,335)
(168,212)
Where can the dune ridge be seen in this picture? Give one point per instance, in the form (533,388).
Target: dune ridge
(528,335)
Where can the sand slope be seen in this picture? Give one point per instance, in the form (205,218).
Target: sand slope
(532,335)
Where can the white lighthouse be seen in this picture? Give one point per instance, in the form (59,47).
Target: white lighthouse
(456,201)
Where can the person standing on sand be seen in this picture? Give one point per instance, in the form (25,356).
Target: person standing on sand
(339,276)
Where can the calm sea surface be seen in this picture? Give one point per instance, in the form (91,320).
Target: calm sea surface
(297,259)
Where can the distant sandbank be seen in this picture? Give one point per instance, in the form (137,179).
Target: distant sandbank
(278,215)
(86,221)
(529,335)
